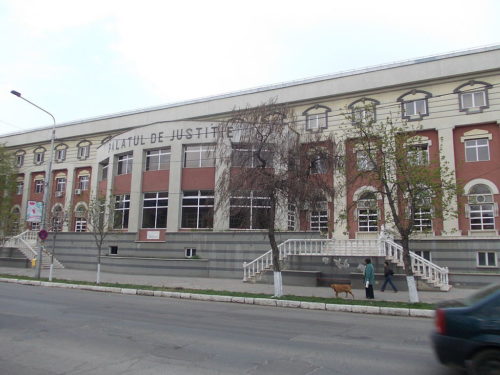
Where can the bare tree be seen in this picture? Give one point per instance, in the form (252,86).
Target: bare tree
(99,216)
(268,165)
(8,221)
(392,157)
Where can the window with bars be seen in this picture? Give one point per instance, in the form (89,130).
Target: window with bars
(197,209)
(121,211)
(199,156)
(125,164)
(155,210)
(158,159)
(249,210)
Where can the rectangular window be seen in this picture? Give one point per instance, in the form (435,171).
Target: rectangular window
(190,252)
(197,209)
(418,154)
(316,121)
(292,217)
(481,216)
(19,188)
(199,156)
(125,164)
(60,155)
(19,160)
(426,254)
(415,108)
(80,224)
(363,115)
(155,210)
(83,152)
(157,159)
(83,182)
(61,184)
(246,156)
(474,99)
(121,211)
(39,157)
(422,219)
(249,210)
(367,220)
(113,250)
(363,161)
(477,150)
(319,219)
(318,165)
(39,186)
(486,259)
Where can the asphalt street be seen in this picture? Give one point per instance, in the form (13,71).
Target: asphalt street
(58,331)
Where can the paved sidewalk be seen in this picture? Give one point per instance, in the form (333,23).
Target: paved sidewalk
(234,285)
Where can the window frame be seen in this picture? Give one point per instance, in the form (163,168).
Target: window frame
(121,210)
(84,182)
(124,164)
(201,195)
(476,147)
(318,218)
(158,209)
(472,88)
(157,153)
(486,259)
(199,149)
(255,206)
(39,186)
(246,149)
(60,184)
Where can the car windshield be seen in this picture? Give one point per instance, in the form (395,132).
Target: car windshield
(480,294)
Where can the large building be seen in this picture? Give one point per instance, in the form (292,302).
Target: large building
(160,165)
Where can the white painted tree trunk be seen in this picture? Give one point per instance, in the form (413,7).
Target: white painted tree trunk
(278,285)
(51,271)
(412,289)
(98,280)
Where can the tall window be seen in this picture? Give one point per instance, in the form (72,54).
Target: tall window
(103,173)
(319,218)
(155,210)
(121,211)
(83,150)
(422,219)
(125,164)
(19,188)
(83,182)
(318,164)
(80,219)
(367,213)
(197,209)
(316,117)
(60,152)
(363,161)
(249,210)
(199,156)
(481,209)
(246,156)
(158,159)
(39,186)
(61,184)
(418,154)
(477,150)
(20,158)
(57,219)
(292,217)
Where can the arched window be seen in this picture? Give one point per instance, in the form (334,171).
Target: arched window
(367,212)
(57,219)
(363,111)
(60,151)
(481,208)
(316,117)
(414,104)
(81,218)
(473,96)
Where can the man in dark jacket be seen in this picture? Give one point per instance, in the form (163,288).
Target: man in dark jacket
(388,273)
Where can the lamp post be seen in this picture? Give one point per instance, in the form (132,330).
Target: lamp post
(48,183)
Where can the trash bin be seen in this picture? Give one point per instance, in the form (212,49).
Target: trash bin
(33,263)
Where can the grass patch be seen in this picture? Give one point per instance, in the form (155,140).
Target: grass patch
(341,301)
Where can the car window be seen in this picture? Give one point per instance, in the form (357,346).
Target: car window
(491,310)
(480,294)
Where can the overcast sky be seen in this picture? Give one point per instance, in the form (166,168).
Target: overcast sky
(80,59)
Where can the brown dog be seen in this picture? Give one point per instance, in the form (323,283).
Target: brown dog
(342,288)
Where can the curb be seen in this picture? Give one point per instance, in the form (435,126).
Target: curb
(360,309)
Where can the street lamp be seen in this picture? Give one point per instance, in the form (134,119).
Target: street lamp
(48,180)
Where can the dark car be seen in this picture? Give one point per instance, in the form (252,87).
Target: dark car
(468,332)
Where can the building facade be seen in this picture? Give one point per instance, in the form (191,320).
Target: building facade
(161,166)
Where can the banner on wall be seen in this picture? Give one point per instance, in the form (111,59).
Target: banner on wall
(34,211)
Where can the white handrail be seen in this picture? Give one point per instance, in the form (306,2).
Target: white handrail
(384,246)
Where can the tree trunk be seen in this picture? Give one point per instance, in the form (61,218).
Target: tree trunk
(98,276)
(410,278)
(278,282)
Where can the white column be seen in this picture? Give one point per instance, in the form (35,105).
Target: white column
(340,205)
(68,196)
(221,214)
(450,224)
(136,191)
(174,187)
